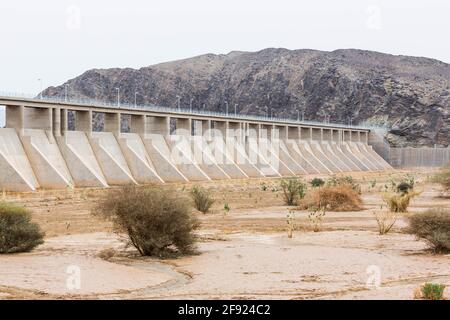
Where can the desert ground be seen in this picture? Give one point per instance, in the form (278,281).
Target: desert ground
(243,254)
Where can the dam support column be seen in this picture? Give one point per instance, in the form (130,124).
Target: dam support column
(15,117)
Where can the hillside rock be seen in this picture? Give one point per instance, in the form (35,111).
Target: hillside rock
(408,95)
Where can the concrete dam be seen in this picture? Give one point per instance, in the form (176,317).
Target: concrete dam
(39,149)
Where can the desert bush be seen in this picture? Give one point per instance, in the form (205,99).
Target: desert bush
(404,187)
(316,216)
(107,254)
(335,198)
(157,221)
(430,291)
(433,291)
(293,190)
(202,200)
(317,182)
(17,232)
(443,178)
(434,227)
(335,181)
(399,202)
(385,220)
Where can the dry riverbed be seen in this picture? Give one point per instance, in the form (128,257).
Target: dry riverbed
(242,254)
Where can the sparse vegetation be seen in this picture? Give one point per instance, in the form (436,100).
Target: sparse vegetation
(434,227)
(430,291)
(399,202)
(226,207)
(202,200)
(17,232)
(317,182)
(290,223)
(336,198)
(293,190)
(157,221)
(335,181)
(316,216)
(385,220)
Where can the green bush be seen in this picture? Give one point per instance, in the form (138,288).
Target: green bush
(317,182)
(293,190)
(17,232)
(157,221)
(202,200)
(434,227)
(433,291)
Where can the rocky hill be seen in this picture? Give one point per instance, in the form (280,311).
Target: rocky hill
(409,95)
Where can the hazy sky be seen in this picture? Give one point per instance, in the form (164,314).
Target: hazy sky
(58,40)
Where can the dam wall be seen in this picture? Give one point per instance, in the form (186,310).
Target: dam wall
(38,150)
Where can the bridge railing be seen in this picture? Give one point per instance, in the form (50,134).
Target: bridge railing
(182,110)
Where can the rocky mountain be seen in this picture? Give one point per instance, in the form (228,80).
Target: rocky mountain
(409,95)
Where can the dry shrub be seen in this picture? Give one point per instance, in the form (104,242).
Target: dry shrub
(17,232)
(385,220)
(399,202)
(434,227)
(157,221)
(107,254)
(202,200)
(335,198)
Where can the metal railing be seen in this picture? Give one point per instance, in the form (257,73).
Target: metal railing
(183,110)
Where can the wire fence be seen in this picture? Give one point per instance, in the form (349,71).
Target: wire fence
(181,110)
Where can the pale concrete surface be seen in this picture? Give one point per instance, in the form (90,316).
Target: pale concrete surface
(300,158)
(81,160)
(347,160)
(205,159)
(305,149)
(337,158)
(138,160)
(183,158)
(256,156)
(226,161)
(46,160)
(236,151)
(16,173)
(160,156)
(111,159)
(316,148)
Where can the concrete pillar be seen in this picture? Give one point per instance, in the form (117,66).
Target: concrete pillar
(206,128)
(56,121)
(15,117)
(38,118)
(327,134)
(221,126)
(316,134)
(233,129)
(158,125)
(138,124)
(112,123)
(293,133)
(253,130)
(83,121)
(305,133)
(184,126)
(280,132)
(64,123)
(197,127)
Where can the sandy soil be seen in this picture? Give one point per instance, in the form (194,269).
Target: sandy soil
(243,254)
